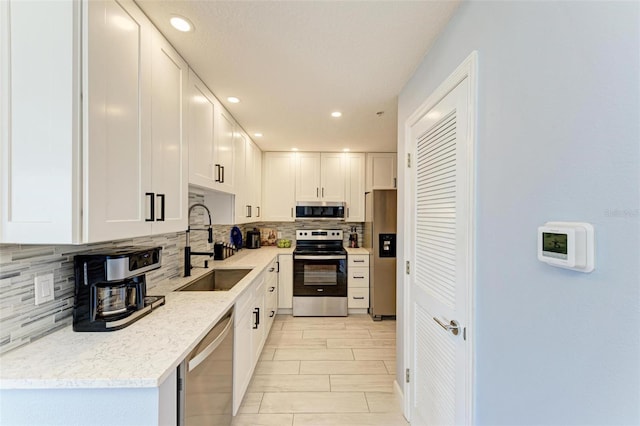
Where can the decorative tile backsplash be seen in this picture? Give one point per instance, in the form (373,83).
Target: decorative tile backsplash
(21,322)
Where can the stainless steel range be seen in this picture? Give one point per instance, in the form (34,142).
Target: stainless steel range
(319,274)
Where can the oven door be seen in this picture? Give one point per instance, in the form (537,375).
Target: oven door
(320,275)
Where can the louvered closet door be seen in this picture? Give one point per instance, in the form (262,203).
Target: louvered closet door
(440,271)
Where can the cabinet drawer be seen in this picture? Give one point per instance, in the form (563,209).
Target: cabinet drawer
(357,260)
(358,297)
(358,277)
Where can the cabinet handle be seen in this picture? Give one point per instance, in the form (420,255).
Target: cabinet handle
(360,278)
(256,323)
(278,267)
(161,218)
(152,207)
(272,314)
(218,176)
(395,182)
(272,289)
(348,215)
(248,211)
(322,192)
(272,269)
(258,207)
(317,192)
(291,211)
(358,297)
(222,167)
(358,261)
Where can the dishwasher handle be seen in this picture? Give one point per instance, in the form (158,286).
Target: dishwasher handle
(202,355)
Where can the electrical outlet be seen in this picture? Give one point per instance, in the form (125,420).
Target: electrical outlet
(280,235)
(44,288)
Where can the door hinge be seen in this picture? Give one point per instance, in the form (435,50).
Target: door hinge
(408,159)
(407,376)
(408,267)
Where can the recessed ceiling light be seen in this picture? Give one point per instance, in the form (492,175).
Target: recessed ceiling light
(346,150)
(336,114)
(181,24)
(257,135)
(294,149)
(233,99)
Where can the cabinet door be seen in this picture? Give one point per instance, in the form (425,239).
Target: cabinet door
(202,112)
(242,354)
(254,176)
(258,330)
(354,187)
(169,76)
(308,176)
(332,177)
(381,171)
(278,184)
(224,144)
(39,122)
(116,139)
(285,282)
(242,199)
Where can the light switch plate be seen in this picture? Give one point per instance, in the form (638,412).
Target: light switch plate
(44,288)
(280,234)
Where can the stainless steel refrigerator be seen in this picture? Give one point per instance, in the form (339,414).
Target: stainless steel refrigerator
(380,240)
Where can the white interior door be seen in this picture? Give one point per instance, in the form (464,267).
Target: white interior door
(440,215)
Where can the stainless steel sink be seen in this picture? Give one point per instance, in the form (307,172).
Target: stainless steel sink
(216,280)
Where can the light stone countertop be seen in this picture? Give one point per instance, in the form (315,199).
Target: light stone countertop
(359,250)
(141,355)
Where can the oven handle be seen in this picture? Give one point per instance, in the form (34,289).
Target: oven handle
(321,257)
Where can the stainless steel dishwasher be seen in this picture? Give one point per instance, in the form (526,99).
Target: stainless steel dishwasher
(205,382)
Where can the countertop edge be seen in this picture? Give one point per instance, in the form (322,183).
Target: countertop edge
(90,344)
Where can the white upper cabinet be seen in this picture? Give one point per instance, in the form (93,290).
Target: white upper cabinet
(211,139)
(256,152)
(202,111)
(381,171)
(242,201)
(320,177)
(253,176)
(117,108)
(39,122)
(278,186)
(125,175)
(134,140)
(169,78)
(224,151)
(247,169)
(354,166)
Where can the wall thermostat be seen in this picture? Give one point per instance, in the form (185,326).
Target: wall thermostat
(567,245)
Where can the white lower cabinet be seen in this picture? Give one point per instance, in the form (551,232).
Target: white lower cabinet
(242,345)
(255,311)
(285,283)
(271,294)
(358,281)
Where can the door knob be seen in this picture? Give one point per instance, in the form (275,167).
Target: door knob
(453,326)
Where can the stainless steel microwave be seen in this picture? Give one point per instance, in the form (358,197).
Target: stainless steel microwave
(319,210)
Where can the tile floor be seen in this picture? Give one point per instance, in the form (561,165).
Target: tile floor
(324,371)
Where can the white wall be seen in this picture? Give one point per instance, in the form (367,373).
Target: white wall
(558,139)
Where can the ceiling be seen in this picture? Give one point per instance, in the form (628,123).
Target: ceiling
(292,63)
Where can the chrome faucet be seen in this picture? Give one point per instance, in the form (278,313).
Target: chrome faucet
(187,248)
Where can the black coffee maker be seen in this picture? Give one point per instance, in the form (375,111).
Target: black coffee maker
(111,289)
